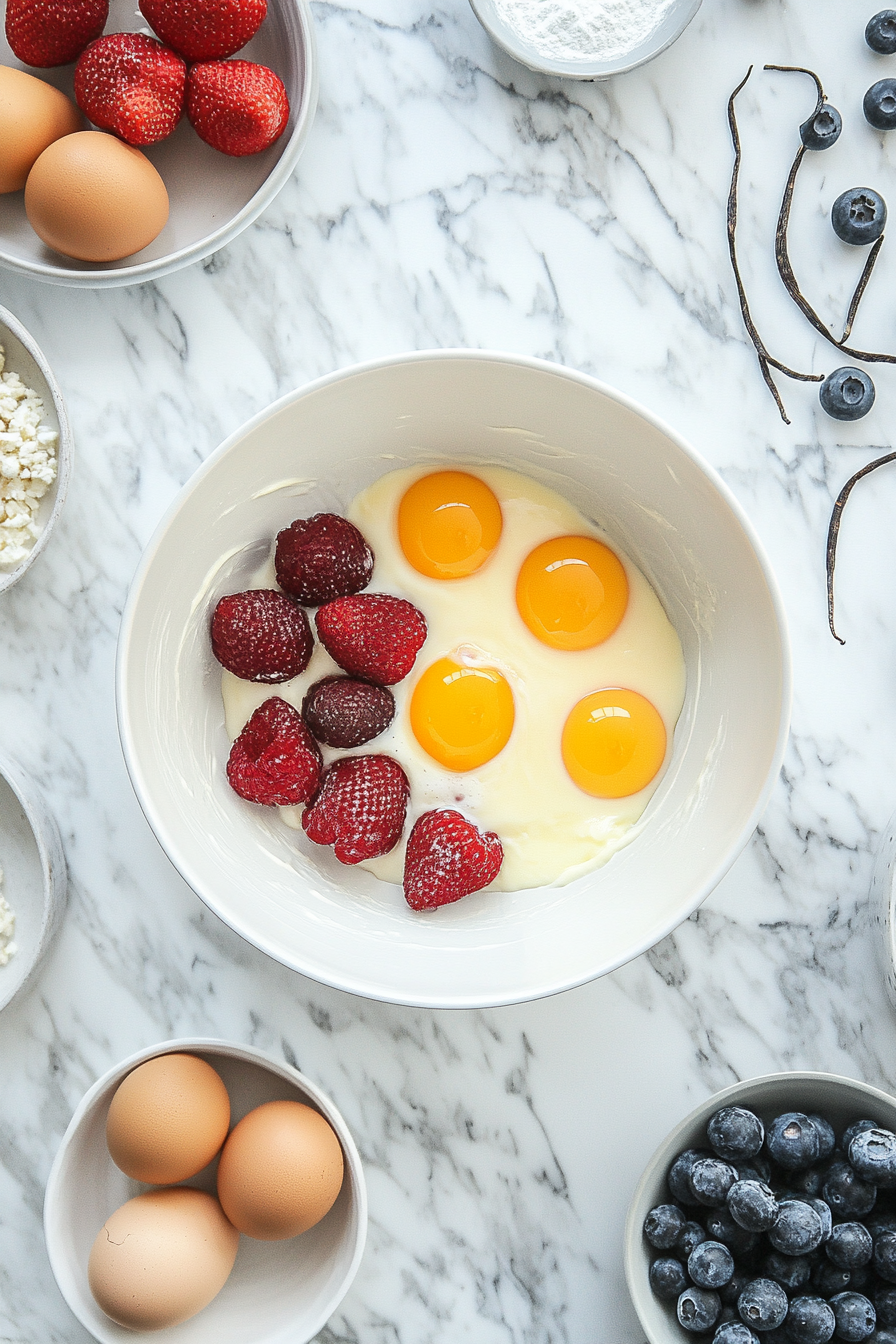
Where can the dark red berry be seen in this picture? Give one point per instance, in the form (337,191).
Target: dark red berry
(275,760)
(344,712)
(261,635)
(320,558)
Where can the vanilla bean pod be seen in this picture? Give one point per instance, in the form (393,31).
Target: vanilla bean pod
(834,531)
(767,362)
(782,254)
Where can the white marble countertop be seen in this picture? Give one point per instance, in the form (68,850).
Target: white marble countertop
(448,197)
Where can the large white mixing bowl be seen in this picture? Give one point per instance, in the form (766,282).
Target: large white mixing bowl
(314,450)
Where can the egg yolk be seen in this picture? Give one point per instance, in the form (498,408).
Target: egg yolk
(572,592)
(461,716)
(448,524)
(614,743)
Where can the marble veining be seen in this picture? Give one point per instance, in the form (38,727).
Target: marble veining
(448,197)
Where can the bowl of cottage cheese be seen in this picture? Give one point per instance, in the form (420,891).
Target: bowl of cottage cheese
(35,450)
(584,39)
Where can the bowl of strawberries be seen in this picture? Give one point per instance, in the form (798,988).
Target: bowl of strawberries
(205,109)
(349,738)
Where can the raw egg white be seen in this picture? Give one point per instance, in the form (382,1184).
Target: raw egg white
(496,718)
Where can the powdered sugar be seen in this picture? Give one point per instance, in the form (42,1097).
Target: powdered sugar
(595,30)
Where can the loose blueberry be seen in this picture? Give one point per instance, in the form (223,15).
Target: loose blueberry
(679,1178)
(827,1140)
(752,1205)
(880,32)
(735,1133)
(824,1212)
(792,1141)
(793,1272)
(667,1278)
(663,1226)
(884,1336)
(879,105)
(847,394)
(873,1154)
(808,1183)
(884,1257)
(698,1310)
(711,1179)
(850,1245)
(710,1265)
(735,1286)
(796,1229)
(857,1127)
(763,1305)
(847,1194)
(854,1315)
(690,1236)
(734,1332)
(722,1227)
(810,1321)
(859,216)
(827,1279)
(822,129)
(879,1222)
(757,1169)
(885,1305)
(863,1279)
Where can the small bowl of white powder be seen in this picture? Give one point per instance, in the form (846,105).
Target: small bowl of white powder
(33,881)
(35,451)
(584,39)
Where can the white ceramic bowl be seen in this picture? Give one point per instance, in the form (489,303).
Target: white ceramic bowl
(213,196)
(313,450)
(25,357)
(675,18)
(279,1292)
(883,904)
(839,1100)
(34,876)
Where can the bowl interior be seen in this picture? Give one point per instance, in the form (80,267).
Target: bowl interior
(22,360)
(314,451)
(277,1290)
(209,192)
(24,887)
(671,25)
(839,1100)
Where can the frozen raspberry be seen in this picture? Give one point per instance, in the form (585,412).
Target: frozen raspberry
(372,635)
(344,712)
(360,809)
(322,557)
(261,635)
(447,858)
(275,760)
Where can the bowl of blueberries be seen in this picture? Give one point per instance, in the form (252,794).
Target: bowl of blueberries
(768,1216)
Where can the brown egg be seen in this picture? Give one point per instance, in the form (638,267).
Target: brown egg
(167,1119)
(32,115)
(161,1257)
(95,198)
(280,1171)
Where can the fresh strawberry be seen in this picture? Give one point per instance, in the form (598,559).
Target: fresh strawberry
(360,809)
(275,760)
(203,30)
(447,858)
(132,85)
(372,635)
(53,32)
(320,558)
(237,107)
(261,636)
(344,712)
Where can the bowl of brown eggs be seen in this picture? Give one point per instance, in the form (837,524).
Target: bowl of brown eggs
(90,204)
(205,1192)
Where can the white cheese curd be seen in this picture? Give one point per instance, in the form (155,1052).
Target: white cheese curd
(27,465)
(7,929)
(550,829)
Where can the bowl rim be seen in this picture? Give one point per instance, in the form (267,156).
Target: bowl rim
(353,984)
(270,188)
(505,37)
(632,1241)
(65,448)
(232,1049)
(52,861)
